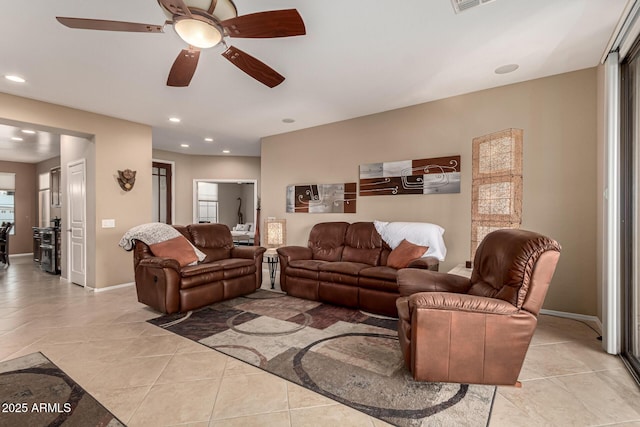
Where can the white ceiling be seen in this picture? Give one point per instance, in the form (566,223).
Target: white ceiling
(369,56)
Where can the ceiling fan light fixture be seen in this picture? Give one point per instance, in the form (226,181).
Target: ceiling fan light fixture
(197,33)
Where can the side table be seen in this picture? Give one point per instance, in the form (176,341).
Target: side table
(461,270)
(271,258)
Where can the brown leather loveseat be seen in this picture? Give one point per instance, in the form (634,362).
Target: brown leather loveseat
(477,330)
(226,272)
(344,264)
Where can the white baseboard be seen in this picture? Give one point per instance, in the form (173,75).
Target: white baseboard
(111,288)
(574,316)
(30,254)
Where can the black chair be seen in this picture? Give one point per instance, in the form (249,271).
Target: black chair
(5,229)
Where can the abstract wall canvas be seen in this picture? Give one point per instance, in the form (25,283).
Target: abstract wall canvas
(424,176)
(322,198)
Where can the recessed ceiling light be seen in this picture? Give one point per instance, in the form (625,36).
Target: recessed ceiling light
(28,131)
(184,145)
(16,79)
(16,138)
(506,69)
(226,151)
(174,120)
(288,120)
(209,139)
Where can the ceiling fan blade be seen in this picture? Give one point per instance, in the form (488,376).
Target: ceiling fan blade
(275,23)
(177,7)
(100,24)
(183,68)
(253,67)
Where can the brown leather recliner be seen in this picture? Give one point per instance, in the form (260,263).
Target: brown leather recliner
(227,271)
(477,330)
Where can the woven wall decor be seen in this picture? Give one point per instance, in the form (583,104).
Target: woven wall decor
(496,188)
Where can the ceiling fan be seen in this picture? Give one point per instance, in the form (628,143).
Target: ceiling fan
(205,23)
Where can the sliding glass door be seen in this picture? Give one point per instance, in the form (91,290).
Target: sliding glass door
(630,162)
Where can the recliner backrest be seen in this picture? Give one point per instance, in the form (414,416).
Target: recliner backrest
(326,240)
(505,261)
(213,239)
(362,244)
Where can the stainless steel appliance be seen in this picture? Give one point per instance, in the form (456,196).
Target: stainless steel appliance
(49,250)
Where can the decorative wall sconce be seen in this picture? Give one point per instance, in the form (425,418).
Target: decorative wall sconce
(126,179)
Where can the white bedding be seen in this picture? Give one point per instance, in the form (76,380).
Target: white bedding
(419,233)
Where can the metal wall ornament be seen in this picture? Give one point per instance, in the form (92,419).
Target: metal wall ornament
(126,179)
(322,198)
(423,176)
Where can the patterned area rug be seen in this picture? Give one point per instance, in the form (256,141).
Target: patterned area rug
(34,392)
(347,355)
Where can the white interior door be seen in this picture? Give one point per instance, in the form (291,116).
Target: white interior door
(76,191)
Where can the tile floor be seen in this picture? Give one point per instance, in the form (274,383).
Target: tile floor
(149,377)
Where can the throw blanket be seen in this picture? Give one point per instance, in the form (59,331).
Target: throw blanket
(419,233)
(152,234)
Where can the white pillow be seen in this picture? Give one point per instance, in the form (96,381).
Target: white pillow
(242,227)
(419,233)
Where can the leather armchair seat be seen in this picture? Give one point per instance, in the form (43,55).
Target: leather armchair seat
(227,271)
(344,264)
(477,330)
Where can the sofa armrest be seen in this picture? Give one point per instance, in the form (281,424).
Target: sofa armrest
(292,253)
(157,262)
(249,252)
(426,263)
(158,284)
(460,302)
(414,280)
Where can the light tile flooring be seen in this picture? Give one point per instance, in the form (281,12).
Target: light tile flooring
(149,377)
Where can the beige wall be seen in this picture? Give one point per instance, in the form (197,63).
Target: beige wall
(26,214)
(119,144)
(558,116)
(188,168)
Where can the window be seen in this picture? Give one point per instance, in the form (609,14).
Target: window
(7,198)
(207,197)
(44,197)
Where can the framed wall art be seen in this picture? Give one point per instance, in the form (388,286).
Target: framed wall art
(424,176)
(322,198)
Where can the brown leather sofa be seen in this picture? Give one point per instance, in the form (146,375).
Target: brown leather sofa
(226,272)
(344,264)
(477,330)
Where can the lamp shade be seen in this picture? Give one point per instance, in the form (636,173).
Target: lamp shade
(197,33)
(276,232)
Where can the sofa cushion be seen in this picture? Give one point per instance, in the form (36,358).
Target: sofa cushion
(326,240)
(236,267)
(177,248)
(404,253)
(379,278)
(196,275)
(350,268)
(194,270)
(380,272)
(307,264)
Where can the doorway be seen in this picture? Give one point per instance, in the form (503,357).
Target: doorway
(76,191)
(162,185)
(225,201)
(630,210)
